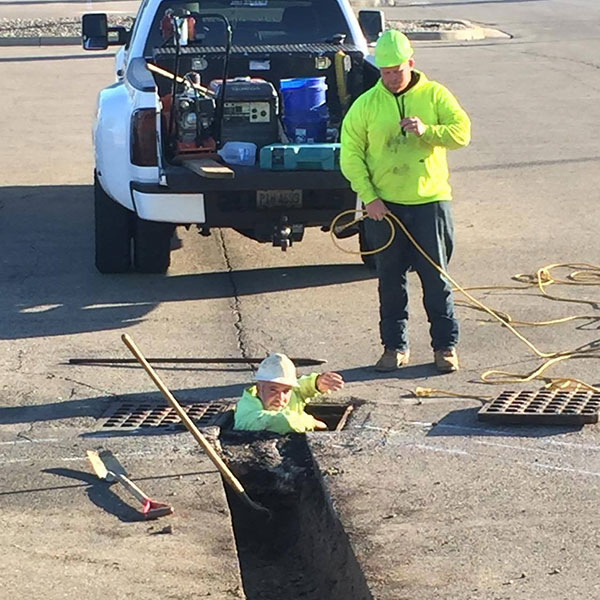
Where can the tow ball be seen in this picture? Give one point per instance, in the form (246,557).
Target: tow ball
(285,234)
(282,234)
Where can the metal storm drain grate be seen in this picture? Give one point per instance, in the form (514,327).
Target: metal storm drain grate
(551,407)
(158,414)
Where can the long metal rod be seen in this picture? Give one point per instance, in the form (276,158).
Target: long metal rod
(229,477)
(299,362)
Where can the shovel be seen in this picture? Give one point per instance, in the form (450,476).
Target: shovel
(225,471)
(106,466)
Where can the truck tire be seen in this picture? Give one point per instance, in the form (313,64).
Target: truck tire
(112,232)
(363,242)
(152,246)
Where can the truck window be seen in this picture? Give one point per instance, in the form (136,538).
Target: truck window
(254,22)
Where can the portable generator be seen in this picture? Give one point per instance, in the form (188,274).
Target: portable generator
(250,110)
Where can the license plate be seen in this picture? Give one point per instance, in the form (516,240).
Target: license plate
(279,198)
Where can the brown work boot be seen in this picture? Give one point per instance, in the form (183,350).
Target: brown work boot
(446,360)
(391,360)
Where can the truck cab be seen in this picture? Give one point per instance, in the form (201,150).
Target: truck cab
(206,123)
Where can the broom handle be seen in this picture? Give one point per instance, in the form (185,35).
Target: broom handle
(189,424)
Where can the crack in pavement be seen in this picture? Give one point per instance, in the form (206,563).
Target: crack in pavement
(562,58)
(235,303)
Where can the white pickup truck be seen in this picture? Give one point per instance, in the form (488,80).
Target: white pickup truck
(159,127)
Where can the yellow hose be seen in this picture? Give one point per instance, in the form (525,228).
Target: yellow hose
(586,274)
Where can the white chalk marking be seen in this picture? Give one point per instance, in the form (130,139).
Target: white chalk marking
(439,449)
(514,447)
(28,441)
(567,469)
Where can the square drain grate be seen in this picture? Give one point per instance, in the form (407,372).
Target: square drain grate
(547,407)
(158,414)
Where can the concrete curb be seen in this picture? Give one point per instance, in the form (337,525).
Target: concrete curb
(470,32)
(41,41)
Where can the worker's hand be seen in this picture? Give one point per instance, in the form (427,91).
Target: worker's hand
(329,382)
(413,125)
(320,425)
(376,209)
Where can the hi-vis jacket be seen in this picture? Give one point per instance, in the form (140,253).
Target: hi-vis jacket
(250,415)
(382,162)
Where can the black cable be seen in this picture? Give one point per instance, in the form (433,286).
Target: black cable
(175,71)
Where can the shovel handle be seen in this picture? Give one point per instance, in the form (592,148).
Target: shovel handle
(133,489)
(185,419)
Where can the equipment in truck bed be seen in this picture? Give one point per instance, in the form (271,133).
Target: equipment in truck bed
(271,63)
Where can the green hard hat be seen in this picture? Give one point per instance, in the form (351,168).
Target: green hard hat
(393,48)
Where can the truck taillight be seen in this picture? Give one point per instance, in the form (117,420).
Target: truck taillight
(143,138)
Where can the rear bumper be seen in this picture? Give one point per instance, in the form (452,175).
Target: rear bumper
(190,198)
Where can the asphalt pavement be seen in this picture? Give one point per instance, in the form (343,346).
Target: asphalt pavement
(435,503)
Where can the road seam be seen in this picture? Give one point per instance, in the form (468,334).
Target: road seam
(235,300)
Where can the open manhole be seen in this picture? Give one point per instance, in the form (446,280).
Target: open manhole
(334,415)
(549,407)
(158,414)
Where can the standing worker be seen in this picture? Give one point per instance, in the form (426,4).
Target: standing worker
(394,141)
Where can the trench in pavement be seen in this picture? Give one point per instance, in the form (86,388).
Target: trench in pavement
(302,551)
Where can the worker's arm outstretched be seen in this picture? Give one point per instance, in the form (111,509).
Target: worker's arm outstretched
(454,128)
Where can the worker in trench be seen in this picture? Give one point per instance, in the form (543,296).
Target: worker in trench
(277,400)
(393,152)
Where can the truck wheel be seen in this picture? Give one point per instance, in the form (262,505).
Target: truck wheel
(152,246)
(113,232)
(369,259)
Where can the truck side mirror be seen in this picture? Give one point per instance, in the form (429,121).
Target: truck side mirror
(94,31)
(97,35)
(372,22)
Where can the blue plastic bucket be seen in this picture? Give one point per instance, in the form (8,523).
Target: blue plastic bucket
(303,96)
(305,109)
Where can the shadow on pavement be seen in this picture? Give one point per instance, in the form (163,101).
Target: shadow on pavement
(96,407)
(101,494)
(92,480)
(464,423)
(368,373)
(51,258)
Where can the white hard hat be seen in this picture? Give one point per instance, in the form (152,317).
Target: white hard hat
(277,368)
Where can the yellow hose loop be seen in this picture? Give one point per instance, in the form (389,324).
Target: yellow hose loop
(354,222)
(585,274)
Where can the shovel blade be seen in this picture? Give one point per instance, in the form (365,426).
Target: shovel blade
(111,463)
(98,465)
(105,465)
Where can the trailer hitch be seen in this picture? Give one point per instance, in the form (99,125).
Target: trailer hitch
(282,234)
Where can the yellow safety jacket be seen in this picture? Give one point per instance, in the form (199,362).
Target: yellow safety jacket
(382,162)
(250,414)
